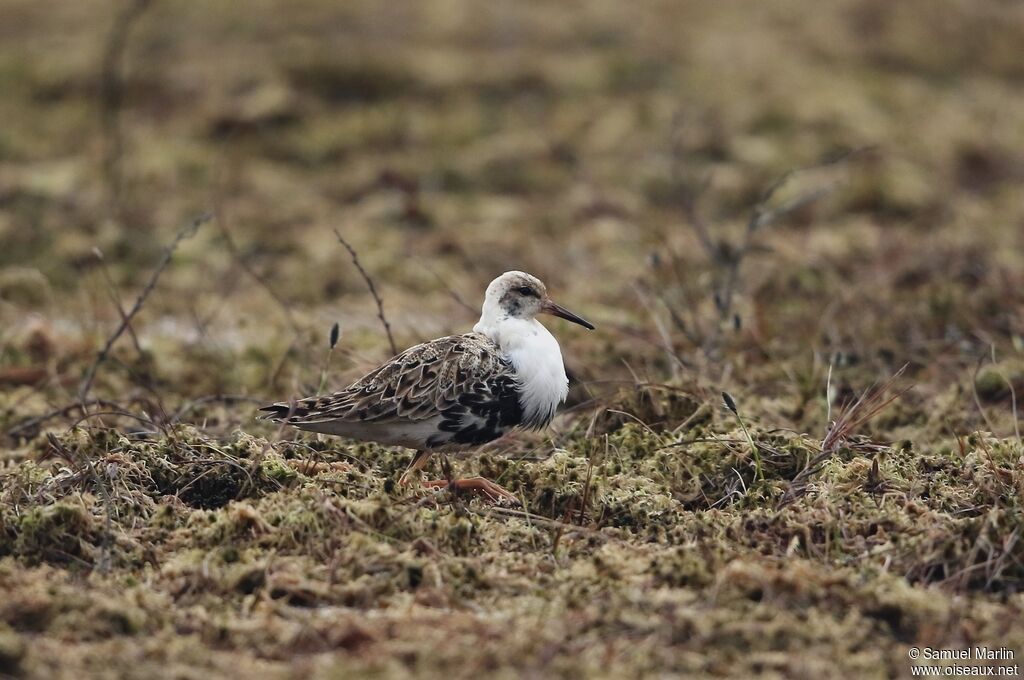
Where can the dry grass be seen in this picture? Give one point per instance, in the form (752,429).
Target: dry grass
(150,526)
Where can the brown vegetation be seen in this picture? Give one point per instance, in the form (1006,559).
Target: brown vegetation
(859,491)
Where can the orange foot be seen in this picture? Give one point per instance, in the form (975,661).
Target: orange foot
(485,487)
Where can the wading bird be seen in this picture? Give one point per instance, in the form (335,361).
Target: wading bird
(455,392)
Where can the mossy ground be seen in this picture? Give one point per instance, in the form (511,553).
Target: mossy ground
(167,533)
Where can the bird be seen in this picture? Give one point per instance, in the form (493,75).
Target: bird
(456,392)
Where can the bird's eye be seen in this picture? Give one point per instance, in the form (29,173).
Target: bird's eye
(525,290)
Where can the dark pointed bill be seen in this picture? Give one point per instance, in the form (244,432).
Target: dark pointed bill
(549,307)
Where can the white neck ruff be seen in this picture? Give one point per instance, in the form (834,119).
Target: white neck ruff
(537,360)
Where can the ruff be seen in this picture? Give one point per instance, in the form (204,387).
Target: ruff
(458,391)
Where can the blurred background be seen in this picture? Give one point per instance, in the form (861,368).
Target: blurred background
(787,201)
(618,152)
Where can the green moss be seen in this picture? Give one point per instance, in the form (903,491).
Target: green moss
(276,470)
(61,533)
(169,532)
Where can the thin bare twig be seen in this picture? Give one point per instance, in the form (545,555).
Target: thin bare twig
(120,414)
(1013,405)
(28,424)
(725,257)
(211,399)
(977,398)
(452,292)
(762,216)
(126,320)
(103,563)
(689,193)
(678,321)
(112,294)
(869,404)
(111,94)
(373,290)
(675,361)
(498,510)
(586,485)
(246,267)
(690,202)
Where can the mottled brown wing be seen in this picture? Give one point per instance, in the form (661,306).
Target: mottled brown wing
(420,383)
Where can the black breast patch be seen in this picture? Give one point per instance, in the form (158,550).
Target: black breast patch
(481,414)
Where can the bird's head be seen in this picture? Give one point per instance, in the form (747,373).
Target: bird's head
(523,296)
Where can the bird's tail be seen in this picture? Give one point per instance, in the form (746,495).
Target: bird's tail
(280,412)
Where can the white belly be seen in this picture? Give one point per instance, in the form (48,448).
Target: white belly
(413,434)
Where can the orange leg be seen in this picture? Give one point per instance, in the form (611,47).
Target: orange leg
(419,461)
(485,487)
